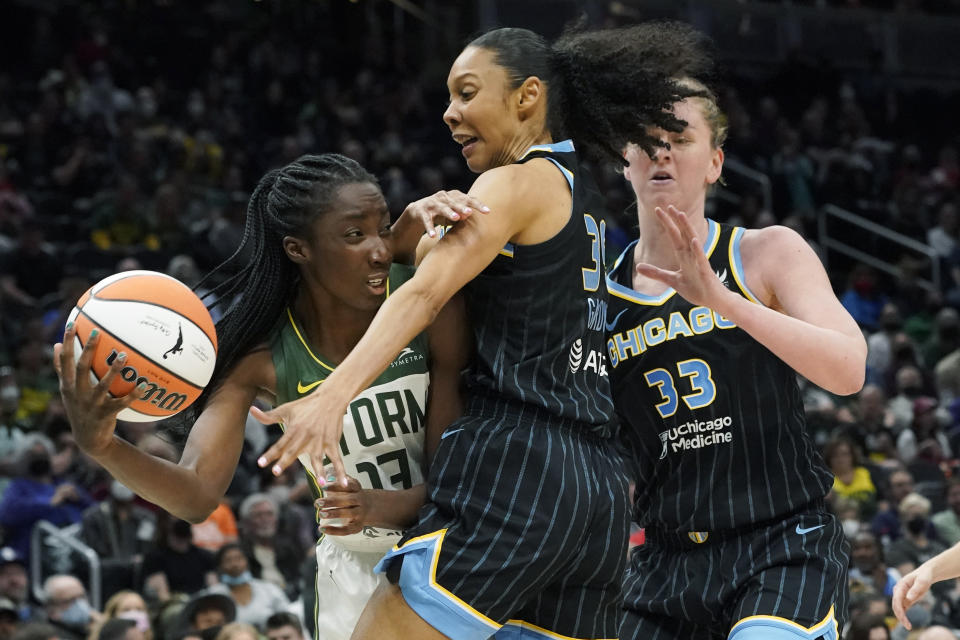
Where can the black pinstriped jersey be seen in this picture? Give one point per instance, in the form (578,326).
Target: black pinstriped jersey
(538,311)
(715,421)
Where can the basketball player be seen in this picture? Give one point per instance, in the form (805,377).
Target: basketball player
(525,529)
(708,327)
(318,240)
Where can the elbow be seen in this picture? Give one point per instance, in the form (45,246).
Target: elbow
(850,384)
(197,510)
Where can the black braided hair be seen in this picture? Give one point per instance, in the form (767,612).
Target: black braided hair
(285,203)
(607,87)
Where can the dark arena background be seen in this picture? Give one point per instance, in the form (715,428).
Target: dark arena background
(133,132)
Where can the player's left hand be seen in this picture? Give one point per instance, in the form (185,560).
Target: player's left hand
(909,590)
(694,280)
(348,506)
(312,425)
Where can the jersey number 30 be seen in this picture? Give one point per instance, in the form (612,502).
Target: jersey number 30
(704,390)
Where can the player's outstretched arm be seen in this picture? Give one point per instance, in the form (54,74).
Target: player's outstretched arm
(800,319)
(314,423)
(915,584)
(191,489)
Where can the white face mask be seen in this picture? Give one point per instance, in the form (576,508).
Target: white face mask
(851,528)
(120,492)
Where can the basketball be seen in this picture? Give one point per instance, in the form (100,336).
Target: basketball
(166,332)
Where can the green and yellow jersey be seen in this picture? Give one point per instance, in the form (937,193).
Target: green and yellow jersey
(382,445)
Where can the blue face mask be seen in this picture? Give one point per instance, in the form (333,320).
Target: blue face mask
(235,581)
(77,615)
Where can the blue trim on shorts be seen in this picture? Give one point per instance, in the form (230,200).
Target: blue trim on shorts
(772,628)
(441,609)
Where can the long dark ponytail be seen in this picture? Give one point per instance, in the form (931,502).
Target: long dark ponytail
(607,87)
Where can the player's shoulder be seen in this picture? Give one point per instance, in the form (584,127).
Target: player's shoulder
(520,182)
(770,244)
(255,369)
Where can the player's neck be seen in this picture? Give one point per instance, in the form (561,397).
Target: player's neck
(655,246)
(331,328)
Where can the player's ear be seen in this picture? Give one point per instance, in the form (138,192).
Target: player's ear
(296,249)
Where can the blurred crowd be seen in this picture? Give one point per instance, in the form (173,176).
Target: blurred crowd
(132,139)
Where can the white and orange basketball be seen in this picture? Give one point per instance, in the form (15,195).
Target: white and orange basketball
(166,332)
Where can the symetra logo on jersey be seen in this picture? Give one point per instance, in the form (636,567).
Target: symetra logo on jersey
(696,434)
(406,356)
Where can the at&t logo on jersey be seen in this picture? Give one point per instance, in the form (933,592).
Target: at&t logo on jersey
(696,434)
(594,360)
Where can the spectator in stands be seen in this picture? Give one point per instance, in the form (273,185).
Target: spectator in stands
(218,529)
(947,522)
(924,434)
(67,607)
(129,605)
(869,568)
(256,599)
(936,633)
(914,547)
(9,619)
(284,626)
(852,480)
(38,496)
(945,338)
(206,610)
(37,631)
(943,237)
(121,532)
(868,627)
(909,387)
(270,559)
(886,524)
(863,298)
(175,564)
(15,585)
(30,271)
(118,629)
(880,344)
(237,631)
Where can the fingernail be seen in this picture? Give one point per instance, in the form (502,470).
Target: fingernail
(261,461)
(431,233)
(122,357)
(484,208)
(69,326)
(142,386)
(323,514)
(94,333)
(319,504)
(331,478)
(467,210)
(321,481)
(455,216)
(344,483)
(277,470)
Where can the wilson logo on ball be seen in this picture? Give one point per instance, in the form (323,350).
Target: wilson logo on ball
(168,401)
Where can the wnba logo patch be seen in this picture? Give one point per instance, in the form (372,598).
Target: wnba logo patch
(698,536)
(576,355)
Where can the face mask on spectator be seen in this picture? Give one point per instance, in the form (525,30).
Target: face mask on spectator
(10,395)
(77,614)
(916,526)
(140,617)
(120,492)
(236,581)
(851,527)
